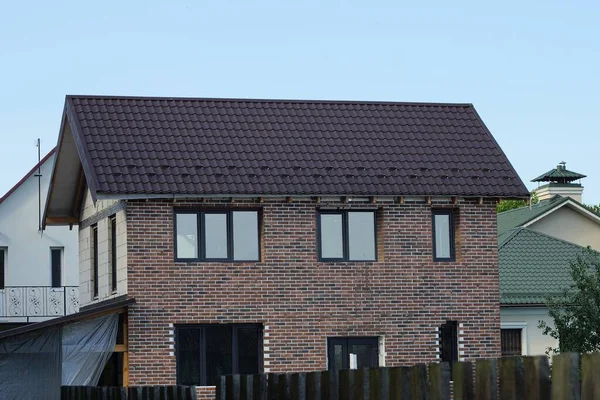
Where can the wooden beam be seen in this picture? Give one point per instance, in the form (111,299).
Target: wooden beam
(480,200)
(454,200)
(120,348)
(400,199)
(345,199)
(61,220)
(373,200)
(428,199)
(288,199)
(318,199)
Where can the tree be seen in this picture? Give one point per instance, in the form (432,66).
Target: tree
(506,205)
(595,208)
(576,312)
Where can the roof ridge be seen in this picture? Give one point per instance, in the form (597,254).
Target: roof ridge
(273,100)
(27,175)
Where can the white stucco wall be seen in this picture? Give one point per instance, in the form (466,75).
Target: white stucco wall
(89,210)
(535,343)
(567,224)
(28,250)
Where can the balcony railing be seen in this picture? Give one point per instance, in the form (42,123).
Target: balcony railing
(38,301)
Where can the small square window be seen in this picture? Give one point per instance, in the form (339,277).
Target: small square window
(347,236)
(352,353)
(443,235)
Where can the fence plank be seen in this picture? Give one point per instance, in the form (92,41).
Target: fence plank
(379,385)
(399,378)
(299,386)
(462,377)
(313,386)
(233,387)
(361,384)
(537,378)
(259,387)
(246,392)
(590,384)
(329,385)
(221,388)
(285,386)
(439,381)
(418,382)
(346,384)
(512,380)
(486,379)
(565,377)
(272,386)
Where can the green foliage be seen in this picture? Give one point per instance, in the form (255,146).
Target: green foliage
(595,208)
(506,205)
(576,312)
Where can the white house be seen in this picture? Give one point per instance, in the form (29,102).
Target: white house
(38,269)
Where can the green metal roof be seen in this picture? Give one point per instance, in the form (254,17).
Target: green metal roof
(533,265)
(560,174)
(517,217)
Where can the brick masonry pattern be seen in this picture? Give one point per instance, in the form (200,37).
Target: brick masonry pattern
(403,297)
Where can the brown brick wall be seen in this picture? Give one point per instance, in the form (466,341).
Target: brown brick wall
(402,299)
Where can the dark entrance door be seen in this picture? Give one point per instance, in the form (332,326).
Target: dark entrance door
(352,353)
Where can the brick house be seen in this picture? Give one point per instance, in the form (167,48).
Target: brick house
(272,235)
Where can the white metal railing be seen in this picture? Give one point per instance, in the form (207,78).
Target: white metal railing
(38,301)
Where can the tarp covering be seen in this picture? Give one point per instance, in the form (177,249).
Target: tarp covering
(34,365)
(87,346)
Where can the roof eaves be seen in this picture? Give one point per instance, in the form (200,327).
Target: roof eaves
(525,193)
(27,175)
(84,156)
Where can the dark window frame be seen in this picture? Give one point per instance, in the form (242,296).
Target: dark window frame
(451,354)
(3,252)
(452,234)
(94,240)
(505,337)
(112,220)
(56,271)
(345,235)
(346,342)
(202,348)
(200,224)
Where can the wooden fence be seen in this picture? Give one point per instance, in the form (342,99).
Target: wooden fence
(128,393)
(510,378)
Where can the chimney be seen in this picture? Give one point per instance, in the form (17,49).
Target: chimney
(560,181)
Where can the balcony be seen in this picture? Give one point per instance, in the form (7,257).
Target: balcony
(37,303)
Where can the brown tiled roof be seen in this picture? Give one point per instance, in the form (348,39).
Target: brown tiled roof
(143,146)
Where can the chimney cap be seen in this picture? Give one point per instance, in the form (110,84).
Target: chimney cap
(560,174)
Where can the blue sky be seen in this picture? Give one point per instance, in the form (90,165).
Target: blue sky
(530,68)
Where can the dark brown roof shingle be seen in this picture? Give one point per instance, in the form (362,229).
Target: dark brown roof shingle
(281,147)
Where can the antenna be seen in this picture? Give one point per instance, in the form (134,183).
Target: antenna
(39,176)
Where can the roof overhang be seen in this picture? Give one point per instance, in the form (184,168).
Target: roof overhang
(117,305)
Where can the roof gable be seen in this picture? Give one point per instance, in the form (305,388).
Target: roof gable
(148,147)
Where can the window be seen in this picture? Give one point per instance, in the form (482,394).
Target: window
(217,235)
(352,353)
(443,235)
(56,256)
(511,342)
(112,227)
(2,264)
(204,352)
(94,232)
(347,236)
(449,342)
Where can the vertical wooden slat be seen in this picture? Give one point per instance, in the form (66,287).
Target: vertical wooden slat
(361,384)
(285,386)
(313,386)
(246,392)
(537,378)
(399,379)
(346,384)
(379,385)
(272,387)
(233,387)
(418,382)
(259,387)
(462,377)
(221,388)
(439,381)
(330,381)
(512,384)
(486,379)
(299,386)
(565,377)
(590,381)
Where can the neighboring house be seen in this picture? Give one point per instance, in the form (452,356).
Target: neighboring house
(272,235)
(39,277)
(536,246)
